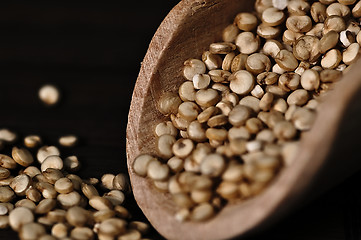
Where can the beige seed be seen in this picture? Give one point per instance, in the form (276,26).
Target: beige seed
(337,9)
(277,69)
(241,82)
(225,107)
(303,119)
(272,47)
(116,197)
(175,164)
(46,151)
(298,97)
(59,230)
(131,235)
(289,81)
(318,12)
(328,41)
(280,105)
(168,103)
(299,23)
(227,61)
(306,48)
(201,81)
(219,76)
(286,60)
(72,163)
(4,173)
(31,171)
(222,47)
(284,130)
(120,182)
(45,206)
(112,227)
(216,134)
(186,93)
(207,97)
(20,216)
(351,54)
(228,190)
(52,175)
(267,78)
(31,231)
(330,75)
(266,101)
(25,203)
(49,94)
(77,216)
(268,32)
(46,189)
(258,63)
(193,67)
(196,132)
(353,27)
(290,37)
(140,164)
(164,146)
(254,125)
(202,212)
(310,80)
(22,156)
(246,21)
(68,140)
(297,7)
(331,59)
(213,165)
(183,200)
(164,128)
(7,136)
(7,162)
(3,210)
(82,233)
(239,115)
(273,16)
(57,215)
(347,2)
(238,62)
(358,38)
(89,190)
(69,200)
(54,162)
(32,141)
(212,61)
(157,170)
(247,42)
(230,33)
(33,195)
(257,91)
(182,148)
(100,216)
(4,222)
(20,184)
(346,38)
(250,102)
(335,23)
(356,10)
(188,110)
(63,185)
(107,181)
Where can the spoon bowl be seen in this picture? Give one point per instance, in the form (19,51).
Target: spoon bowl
(321,162)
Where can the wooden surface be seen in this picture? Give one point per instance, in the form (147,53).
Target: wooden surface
(93,52)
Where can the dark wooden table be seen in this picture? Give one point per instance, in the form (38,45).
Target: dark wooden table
(92,51)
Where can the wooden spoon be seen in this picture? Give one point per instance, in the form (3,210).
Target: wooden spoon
(327,152)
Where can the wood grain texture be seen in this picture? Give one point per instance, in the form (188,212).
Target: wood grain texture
(185,33)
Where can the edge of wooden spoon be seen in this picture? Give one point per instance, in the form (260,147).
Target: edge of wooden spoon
(284,193)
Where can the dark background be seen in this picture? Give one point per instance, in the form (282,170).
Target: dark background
(92,51)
